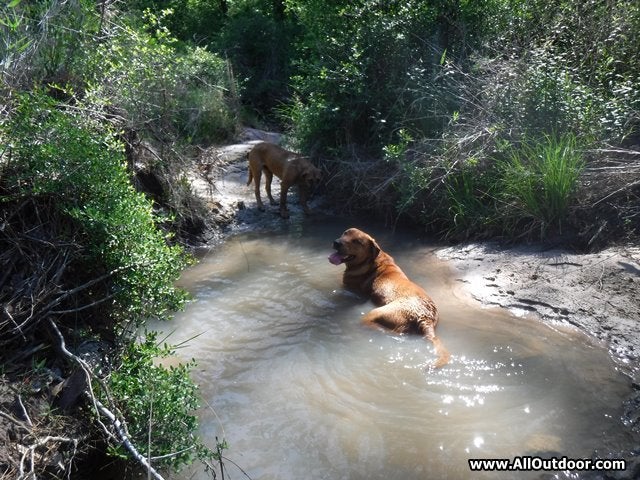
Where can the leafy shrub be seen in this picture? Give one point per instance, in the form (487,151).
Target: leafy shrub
(205,97)
(41,41)
(78,161)
(260,43)
(160,86)
(158,403)
(353,69)
(541,93)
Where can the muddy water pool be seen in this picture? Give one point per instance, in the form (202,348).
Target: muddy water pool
(301,390)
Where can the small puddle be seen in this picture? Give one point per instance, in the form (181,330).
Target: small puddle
(304,391)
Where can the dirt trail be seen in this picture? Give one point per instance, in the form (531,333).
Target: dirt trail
(227,195)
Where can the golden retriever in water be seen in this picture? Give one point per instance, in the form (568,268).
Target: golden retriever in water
(291,168)
(401,305)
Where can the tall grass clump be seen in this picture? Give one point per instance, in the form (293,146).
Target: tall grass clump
(538,180)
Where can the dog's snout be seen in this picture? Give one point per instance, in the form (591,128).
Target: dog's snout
(337,244)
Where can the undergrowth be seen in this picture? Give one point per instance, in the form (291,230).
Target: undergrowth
(159,402)
(538,182)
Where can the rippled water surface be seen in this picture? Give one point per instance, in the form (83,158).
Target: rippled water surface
(304,391)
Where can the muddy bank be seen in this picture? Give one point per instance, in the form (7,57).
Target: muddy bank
(598,293)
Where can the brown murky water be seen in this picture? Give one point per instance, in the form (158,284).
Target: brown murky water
(301,390)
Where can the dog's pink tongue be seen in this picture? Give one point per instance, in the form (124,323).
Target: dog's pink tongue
(335,258)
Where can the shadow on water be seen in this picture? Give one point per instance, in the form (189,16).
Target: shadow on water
(304,391)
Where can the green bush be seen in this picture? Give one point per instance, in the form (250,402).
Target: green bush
(158,403)
(165,90)
(57,152)
(42,39)
(353,70)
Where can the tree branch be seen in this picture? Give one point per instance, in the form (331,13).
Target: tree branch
(118,424)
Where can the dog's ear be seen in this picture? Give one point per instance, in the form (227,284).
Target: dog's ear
(375,248)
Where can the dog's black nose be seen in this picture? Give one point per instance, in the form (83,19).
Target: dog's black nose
(336,244)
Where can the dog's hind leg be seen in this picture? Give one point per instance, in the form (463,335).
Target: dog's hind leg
(428,331)
(268,177)
(393,317)
(257,176)
(388,317)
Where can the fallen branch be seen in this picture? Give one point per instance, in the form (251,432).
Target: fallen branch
(626,187)
(118,424)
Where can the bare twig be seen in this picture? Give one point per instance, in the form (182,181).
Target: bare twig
(24,412)
(626,187)
(14,420)
(118,424)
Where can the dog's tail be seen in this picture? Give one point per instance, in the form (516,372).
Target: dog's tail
(250,172)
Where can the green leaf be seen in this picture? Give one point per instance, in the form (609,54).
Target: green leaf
(443,57)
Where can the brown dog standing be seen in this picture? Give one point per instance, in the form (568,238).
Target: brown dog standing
(291,168)
(401,305)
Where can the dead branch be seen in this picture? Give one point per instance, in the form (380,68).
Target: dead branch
(24,412)
(118,424)
(14,420)
(625,187)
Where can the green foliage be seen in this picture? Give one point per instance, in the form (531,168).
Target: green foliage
(165,90)
(525,189)
(548,73)
(256,37)
(541,93)
(158,403)
(190,20)
(412,178)
(470,194)
(539,180)
(260,43)
(14,42)
(42,39)
(368,68)
(61,153)
(352,67)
